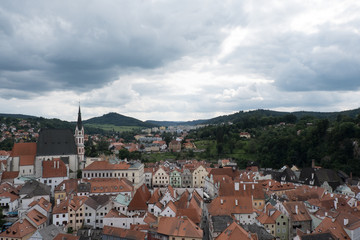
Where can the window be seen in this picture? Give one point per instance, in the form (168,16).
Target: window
(284,223)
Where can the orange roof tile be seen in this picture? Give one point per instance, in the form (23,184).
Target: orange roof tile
(12,197)
(230,205)
(36,217)
(63,236)
(234,232)
(62,207)
(19,229)
(140,199)
(123,233)
(27,160)
(54,168)
(328,225)
(43,203)
(179,227)
(20,149)
(104,165)
(297,211)
(9,175)
(110,185)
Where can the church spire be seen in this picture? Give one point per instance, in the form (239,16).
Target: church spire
(79,122)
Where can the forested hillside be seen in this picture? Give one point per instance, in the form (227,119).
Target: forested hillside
(287,140)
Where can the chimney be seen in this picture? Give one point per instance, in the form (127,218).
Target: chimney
(346,221)
(236,202)
(221,201)
(57,201)
(313,163)
(326,214)
(335,204)
(237,186)
(351,175)
(296,209)
(269,183)
(54,164)
(244,187)
(312,176)
(58,164)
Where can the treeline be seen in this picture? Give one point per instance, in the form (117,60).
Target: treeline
(286,140)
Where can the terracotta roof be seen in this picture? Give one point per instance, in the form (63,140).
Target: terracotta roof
(150,218)
(12,197)
(54,168)
(68,186)
(155,196)
(63,236)
(333,227)
(36,217)
(225,171)
(19,229)
(21,149)
(266,219)
(123,233)
(105,165)
(110,185)
(182,202)
(140,199)
(43,203)
(234,232)
(27,160)
(297,211)
(230,205)
(113,213)
(179,227)
(77,201)
(4,153)
(9,175)
(172,206)
(190,213)
(62,207)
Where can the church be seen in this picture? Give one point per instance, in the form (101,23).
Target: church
(52,144)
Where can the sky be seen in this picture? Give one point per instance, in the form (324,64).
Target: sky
(178,60)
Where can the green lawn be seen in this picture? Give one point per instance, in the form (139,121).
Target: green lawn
(109,127)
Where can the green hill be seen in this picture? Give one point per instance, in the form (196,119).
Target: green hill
(117,120)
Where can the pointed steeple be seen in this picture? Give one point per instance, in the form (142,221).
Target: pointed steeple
(79,122)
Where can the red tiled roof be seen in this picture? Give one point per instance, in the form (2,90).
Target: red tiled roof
(9,175)
(20,149)
(297,211)
(12,197)
(140,199)
(63,236)
(36,217)
(62,207)
(123,233)
(43,203)
(54,168)
(27,160)
(179,227)
(110,185)
(234,232)
(328,225)
(230,205)
(105,165)
(19,229)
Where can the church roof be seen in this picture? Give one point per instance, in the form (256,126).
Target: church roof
(56,142)
(79,122)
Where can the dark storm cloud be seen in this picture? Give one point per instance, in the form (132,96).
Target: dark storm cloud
(83,45)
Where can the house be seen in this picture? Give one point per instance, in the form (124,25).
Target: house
(116,219)
(96,208)
(298,217)
(175,146)
(245,135)
(175,178)
(138,204)
(76,212)
(61,214)
(9,201)
(49,232)
(217,224)
(33,191)
(186,178)
(160,178)
(134,172)
(199,175)
(63,236)
(106,186)
(37,219)
(121,203)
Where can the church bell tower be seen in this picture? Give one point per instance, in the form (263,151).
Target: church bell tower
(79,140)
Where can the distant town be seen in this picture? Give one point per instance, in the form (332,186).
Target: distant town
(61,183)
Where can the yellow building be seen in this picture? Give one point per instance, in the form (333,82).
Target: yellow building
(76,212)
(199,175)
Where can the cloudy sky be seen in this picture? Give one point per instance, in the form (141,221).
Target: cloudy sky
(178,60)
